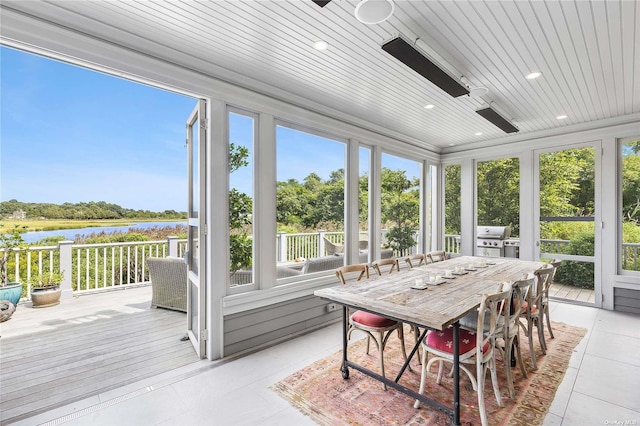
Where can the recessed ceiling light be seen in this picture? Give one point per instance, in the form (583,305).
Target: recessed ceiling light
(429,106)
(478,134)
(561,117)
(452,144)
(533,75)
(320,45)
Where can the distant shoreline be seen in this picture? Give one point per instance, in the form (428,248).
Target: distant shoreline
(62,224)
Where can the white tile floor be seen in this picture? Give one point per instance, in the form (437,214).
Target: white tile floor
(601,386)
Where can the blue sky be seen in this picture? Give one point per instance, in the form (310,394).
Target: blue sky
(69,134)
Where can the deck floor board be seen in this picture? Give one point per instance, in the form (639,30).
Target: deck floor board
(84,347)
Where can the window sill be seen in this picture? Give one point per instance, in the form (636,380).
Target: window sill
(256,299)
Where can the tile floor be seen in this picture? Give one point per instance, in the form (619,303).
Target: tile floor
(600,386)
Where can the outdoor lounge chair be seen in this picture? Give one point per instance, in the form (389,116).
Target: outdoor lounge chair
(168,282)
(332,248)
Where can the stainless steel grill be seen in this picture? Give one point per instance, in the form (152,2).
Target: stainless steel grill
(491,240)
(512,247)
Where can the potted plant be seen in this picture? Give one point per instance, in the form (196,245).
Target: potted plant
(45,289)
(9,242)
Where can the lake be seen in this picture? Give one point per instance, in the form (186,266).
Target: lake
(70,234)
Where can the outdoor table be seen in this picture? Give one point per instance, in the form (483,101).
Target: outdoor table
(434,308)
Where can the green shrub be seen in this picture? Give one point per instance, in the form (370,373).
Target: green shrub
(578,274)
(400,238)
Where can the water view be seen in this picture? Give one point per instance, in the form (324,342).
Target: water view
(71,234)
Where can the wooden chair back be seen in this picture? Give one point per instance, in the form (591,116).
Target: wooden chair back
(417,259)
(491,306)
(383,262)
(521,293)
(437,256)
(544,277)
(363,268)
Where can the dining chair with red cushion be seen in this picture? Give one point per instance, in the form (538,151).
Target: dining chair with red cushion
(475,348)
(376,327)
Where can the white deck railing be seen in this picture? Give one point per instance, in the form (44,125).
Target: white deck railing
(91,267)
(95,267)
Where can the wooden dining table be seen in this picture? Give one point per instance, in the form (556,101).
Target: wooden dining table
(434,308)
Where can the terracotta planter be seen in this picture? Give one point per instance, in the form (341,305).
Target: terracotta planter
(42,297)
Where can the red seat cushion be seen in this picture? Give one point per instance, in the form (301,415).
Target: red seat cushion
(443,340)
(371,320)
(534,308)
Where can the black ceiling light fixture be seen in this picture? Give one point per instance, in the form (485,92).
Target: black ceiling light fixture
(496,119)
(411,57)
(321,3)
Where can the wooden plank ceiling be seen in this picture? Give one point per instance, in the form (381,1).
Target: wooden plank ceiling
(587,51)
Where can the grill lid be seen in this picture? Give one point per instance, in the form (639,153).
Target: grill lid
(494,232)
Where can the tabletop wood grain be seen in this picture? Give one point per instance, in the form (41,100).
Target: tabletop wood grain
(436,307)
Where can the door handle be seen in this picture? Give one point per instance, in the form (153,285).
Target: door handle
(537,243)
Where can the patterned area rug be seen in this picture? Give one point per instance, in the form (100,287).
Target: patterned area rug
(319,391)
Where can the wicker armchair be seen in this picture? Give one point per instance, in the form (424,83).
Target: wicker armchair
(168,282)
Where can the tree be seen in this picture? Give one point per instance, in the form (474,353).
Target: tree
(400,207)
(240,209)
(499,193)
(452,199)
(327,199)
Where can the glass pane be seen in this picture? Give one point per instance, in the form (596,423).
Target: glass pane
(574,281)
(499,194)
(574,238)
(630,193)
(400,213)
(567,227)
(433,191)
(363,199)
(192,252)
(195,187)
(195,304)
(452,182)
(241,138)
(567,184)
(309,203)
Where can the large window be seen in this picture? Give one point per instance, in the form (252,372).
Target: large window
(309,202)
(452,231)
(499,194)
(630,196)
(241,138)
(364,183)
(400,204)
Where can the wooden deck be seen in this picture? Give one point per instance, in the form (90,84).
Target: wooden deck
(86,346)
(569,292)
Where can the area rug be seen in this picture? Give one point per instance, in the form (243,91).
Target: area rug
(320,392)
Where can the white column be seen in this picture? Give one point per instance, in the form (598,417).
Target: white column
(66,269)
(467,207)
(321,242)
(172,241)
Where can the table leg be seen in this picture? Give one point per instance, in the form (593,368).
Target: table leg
(456,373)
(345,330)
(413,351)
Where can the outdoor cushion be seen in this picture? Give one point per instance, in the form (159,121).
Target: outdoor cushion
(534,308)
(443,341)
(371,320)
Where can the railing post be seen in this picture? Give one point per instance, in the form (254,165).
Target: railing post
(321,242)
(282,245)
(172,241)
(66,269)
